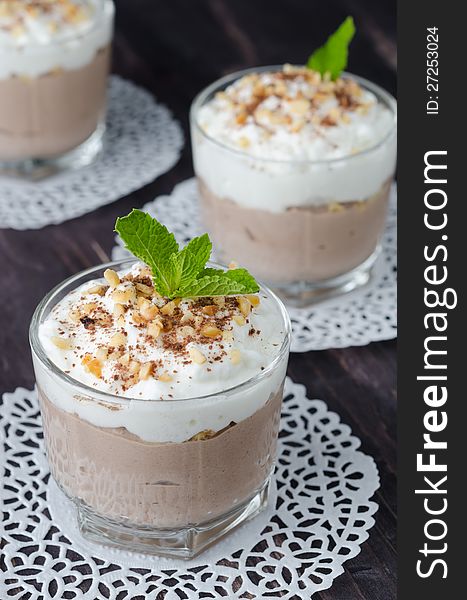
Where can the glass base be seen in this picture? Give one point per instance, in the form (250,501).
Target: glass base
(301,294)
(35,169)
(184,542)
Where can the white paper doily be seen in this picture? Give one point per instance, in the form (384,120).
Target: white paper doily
(366,315)
(318,518)
(141,142)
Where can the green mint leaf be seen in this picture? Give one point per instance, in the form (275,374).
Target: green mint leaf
(184,266)
(151,242)
(332,57)
(215,282)
(239,275)
(180,273)
(213,285)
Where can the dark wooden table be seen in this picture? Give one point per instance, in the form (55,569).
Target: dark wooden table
(174,49)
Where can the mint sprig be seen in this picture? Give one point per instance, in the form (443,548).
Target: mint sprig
(179,273)
(332,57)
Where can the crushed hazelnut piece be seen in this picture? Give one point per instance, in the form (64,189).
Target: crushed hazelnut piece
(124,359)
(210,331)
(111,277)
(154,329)
(86,309)
(145,371)
(227,335)
(235,356)
(92,365)
(206,434)
(210,310)
(144,289)
(239,319)
(134,367)
(165,377)
(253,299)
(244,142)
(244,305)
(62,343)
(96,289)
(149,312)
(142,302)
(196,356)
(124,295)
(187,331)
(187,317)
(138,318)
(219,301)
(74,315)
(102,354)
(118,310)
(117,340)
(168,309)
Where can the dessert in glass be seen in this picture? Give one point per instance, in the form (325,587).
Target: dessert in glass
(54,64)
(294,172)
(160,416)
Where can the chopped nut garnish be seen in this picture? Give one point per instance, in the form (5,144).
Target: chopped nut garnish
(117,340)
(97,289)
(145,371)
(124,295)
(206,434)
(253,300)
(138,318)
(149,312)
(244,305)
(92,365)
(154,329)
(227,335)
(235,357)
(118,310)
(187,331)
(134,366)
(74,315)
(87,309)
(210,331)
(102,354)
(210,310)
(111,277)
(187,317)
(124,359)
(165,377)
(197,356)
(168,309)
(239,319)
(144,289)
(62,343)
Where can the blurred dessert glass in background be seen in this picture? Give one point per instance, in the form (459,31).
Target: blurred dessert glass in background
(294,173)
(54,63)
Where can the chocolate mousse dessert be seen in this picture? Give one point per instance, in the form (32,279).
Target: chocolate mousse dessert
(54,63)
(161,388)
(294,166)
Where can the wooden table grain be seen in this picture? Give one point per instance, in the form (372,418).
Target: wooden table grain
(174,49)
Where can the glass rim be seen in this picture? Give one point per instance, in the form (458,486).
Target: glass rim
(222,82)
(40,353)
(70,36)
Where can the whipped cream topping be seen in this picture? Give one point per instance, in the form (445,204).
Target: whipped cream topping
(289,117)
(40,36)
(126,340)
(294,114)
